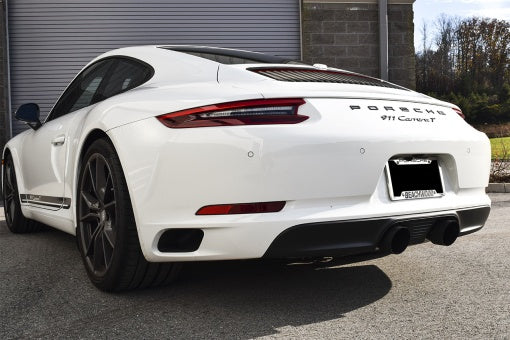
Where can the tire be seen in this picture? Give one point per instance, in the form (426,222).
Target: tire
(106,233)
(16,222)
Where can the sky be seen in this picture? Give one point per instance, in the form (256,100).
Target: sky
(429,10)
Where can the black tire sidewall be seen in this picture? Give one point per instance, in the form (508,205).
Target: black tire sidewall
(123,215)
(14,226)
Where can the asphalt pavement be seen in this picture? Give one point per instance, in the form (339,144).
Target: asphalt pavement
(429,291)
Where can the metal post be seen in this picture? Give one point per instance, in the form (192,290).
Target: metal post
(301,29)
(383,38)
(8,70)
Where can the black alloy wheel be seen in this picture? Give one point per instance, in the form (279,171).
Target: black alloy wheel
(16,222)
(106,229)
(97,214)
(9,191)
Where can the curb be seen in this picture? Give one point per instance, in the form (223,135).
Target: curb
(498,187)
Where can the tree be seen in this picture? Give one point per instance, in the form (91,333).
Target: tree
(471,62)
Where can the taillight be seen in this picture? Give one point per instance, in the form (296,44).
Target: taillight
(241,208)
(246,112)
(459,112)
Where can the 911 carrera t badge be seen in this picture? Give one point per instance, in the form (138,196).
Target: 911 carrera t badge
(408,119)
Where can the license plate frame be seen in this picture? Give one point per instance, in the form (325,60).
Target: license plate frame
(399,174)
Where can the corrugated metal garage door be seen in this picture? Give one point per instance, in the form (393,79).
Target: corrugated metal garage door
(50,40)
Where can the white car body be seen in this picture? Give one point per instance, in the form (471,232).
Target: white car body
(328,168)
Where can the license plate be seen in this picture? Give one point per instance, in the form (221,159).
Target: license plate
(414,179)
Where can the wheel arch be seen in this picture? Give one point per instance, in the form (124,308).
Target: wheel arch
(91,137)
(6,152)
(11,148)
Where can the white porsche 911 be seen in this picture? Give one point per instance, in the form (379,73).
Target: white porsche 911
(158,155)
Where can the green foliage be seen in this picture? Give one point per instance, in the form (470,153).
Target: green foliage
(500,147)
(470,67)
(505,93)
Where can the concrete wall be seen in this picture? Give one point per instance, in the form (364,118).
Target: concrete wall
(346,35)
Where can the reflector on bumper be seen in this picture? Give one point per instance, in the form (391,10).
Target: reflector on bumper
(241,208)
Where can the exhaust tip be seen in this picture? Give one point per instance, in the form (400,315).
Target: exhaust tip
(180,240)
(396,240)
(444,232)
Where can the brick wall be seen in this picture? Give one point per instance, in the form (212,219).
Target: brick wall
(346,35)
(401,60)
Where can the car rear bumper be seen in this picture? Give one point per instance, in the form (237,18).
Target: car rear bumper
(328,169)
(301,232)
(342,238)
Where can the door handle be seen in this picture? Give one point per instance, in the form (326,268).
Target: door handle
(57,141)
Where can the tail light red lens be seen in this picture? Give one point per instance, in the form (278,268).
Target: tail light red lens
(459,112)
(241,208)
(246,112)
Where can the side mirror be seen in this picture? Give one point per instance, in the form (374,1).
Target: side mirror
(29,113)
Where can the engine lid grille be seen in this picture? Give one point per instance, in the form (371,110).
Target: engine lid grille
(320,76)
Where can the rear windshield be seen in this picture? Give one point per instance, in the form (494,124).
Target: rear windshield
(224,59)
(231,57)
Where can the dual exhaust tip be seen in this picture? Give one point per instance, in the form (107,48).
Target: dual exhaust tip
(443,232)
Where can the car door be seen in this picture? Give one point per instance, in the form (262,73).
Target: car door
(45,150)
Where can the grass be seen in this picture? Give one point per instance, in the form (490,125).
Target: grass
(500,147)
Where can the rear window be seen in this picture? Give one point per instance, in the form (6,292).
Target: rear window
(228,56)
(224,59)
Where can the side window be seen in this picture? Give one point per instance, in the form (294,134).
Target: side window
(126,74)
(88,93)
(83,91)
(100,81)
